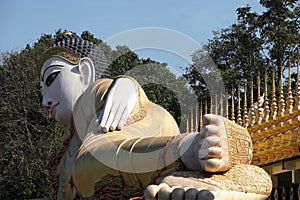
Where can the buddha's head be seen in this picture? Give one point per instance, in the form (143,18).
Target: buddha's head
(66,71)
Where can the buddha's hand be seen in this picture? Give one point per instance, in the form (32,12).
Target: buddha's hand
(120,101)
(207,150)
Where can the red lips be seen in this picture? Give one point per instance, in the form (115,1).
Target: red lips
(52,109)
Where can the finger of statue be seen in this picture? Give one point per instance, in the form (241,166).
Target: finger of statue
(211,165)
(211,152)
(105,124)
(211,119)
(123,118)
(210,141)
(118,117)
(209,130)
(112,114)
(151,191)
(191,194)
(106,110)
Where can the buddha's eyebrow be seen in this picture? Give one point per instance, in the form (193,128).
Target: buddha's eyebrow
(43,75)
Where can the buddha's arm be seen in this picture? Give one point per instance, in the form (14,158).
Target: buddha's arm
(106,102)
(112,100)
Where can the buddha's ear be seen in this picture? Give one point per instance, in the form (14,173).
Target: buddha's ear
(87,70)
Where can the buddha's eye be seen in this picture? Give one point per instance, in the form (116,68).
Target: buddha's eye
(51,78)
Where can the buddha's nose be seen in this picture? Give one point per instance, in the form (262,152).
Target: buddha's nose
(46,101)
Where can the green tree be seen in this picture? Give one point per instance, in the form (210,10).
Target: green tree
(28,137)
(280,30)
(247,47)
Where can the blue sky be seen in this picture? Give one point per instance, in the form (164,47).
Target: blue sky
(23,21)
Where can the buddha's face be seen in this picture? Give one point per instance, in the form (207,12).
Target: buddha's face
(62,85)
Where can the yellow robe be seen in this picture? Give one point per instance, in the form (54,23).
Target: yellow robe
(116,164)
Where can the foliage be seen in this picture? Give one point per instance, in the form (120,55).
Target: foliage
(254,43)
(280,29)
(28,136)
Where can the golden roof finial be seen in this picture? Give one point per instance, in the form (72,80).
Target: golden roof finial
(259,111)
(252,110)
(290,99)
(211,106)
(216,104)
(187,125)
(192,121)
(200,116)
(221,105)
(281,104)
(245,117)
(196,118)
(232,104)
(239,113)
(297,97)
(266,100)
(274,100)
(226,104)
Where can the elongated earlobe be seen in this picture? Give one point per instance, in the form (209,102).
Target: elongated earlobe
(87,70)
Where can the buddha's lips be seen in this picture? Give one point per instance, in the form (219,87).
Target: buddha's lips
(53,109)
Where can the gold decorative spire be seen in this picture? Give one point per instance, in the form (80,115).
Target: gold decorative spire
(281,104)
(245,117)
(297,97)
(216,104)
(266,100)
(252,111)
(187,125)
(226,104)
(232,104)
(239,113)
(274,100)
(192,121)
(211,106)
(259,111)
(221,105)
(196,118)
(289,100)
(200,116)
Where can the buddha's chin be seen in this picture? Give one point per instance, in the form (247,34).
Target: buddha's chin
(62,119)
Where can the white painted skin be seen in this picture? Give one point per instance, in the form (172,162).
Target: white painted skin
(61,87)
(63,83)
(120,102)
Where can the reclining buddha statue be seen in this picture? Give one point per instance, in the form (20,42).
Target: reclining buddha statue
(119,145)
